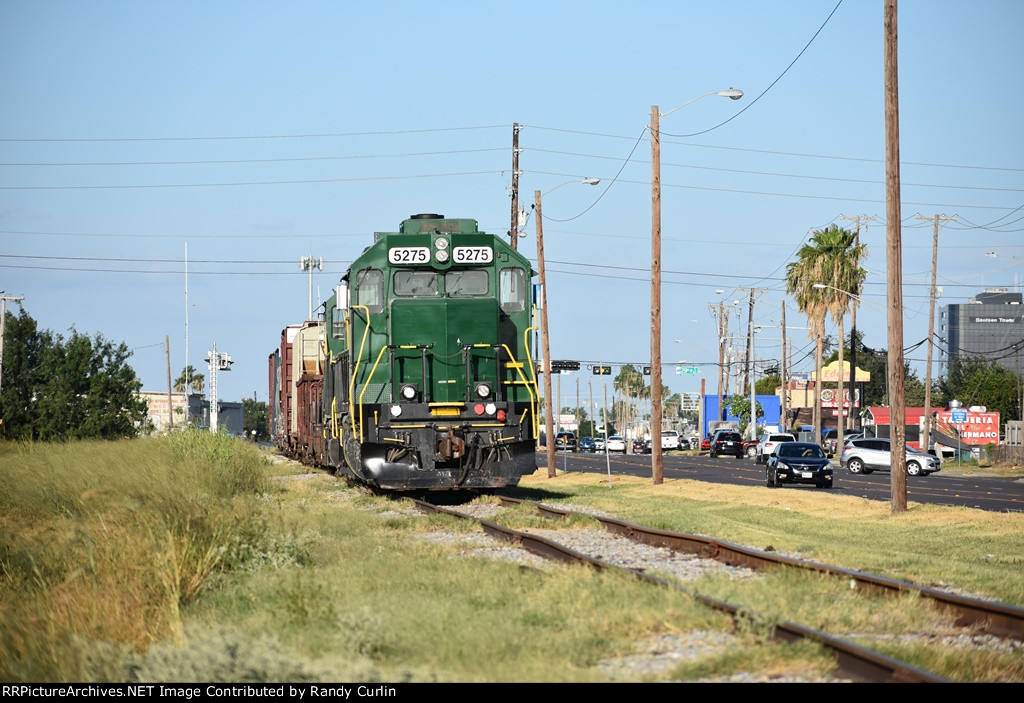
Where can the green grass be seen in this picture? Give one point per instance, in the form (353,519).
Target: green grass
(181,560)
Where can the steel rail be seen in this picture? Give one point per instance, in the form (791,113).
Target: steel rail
(993,618)
(853,661)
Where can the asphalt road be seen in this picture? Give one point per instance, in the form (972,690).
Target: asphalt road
(983,493)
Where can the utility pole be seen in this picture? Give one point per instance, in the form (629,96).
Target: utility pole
(549,420)
(657,466)
(783,406)
(514,229)
(749,374)
(170,397)
(3,324)
(722,320)
(853,319)
(894,263)
(926,445)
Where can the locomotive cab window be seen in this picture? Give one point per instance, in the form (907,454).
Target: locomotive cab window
(370,289)
(415,283)
(512,284)
(471,282)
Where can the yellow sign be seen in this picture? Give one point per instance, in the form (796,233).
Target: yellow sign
(830,373)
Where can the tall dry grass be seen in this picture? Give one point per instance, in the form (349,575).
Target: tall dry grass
(102,542)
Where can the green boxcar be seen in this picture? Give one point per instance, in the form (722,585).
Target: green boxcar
(430,383)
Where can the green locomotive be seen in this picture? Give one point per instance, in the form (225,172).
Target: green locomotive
(428,381)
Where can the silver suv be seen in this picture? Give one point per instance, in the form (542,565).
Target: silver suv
(867,454)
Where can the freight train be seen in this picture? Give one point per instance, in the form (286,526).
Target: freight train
(418,373)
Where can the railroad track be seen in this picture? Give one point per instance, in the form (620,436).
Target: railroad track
(854,661)
(992,618)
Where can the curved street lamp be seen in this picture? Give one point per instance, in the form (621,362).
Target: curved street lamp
(657,467)
(549,428)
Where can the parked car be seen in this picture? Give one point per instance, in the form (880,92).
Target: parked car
(767,444)
(640,445)
(705,444)
(616,444)
(684,443)
(749,448)
(727,442)
(867,454)
(598,444)
(566,441)
(669,439)
(798,462)
(587,444)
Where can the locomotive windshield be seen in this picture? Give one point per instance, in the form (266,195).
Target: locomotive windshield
(415,283)
(466,283)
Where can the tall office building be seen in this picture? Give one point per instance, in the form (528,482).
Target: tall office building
(990,325)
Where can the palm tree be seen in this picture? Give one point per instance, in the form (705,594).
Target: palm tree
(801,275)
(194,381)
(843,255)
(831,260)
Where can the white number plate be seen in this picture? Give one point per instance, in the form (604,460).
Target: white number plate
(408,255)
(472,255)
(807,474)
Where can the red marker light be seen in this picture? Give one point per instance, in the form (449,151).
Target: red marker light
(501,416)
(478,408)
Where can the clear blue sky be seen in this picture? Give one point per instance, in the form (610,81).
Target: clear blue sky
(260,132)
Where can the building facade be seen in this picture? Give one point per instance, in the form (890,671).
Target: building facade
(990,326)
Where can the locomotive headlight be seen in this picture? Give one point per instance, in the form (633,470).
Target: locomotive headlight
(483,390)
(441,243)
(441,255)
(396,410)
(409,391)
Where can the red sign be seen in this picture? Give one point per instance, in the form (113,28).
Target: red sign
(978,430)
(829,398)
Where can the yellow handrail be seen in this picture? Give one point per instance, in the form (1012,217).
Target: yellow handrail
(355,367)
(533,399)
(533,373)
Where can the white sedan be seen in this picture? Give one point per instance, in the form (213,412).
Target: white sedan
(616,444)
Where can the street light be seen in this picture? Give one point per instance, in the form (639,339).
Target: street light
(549,428)
(657,468)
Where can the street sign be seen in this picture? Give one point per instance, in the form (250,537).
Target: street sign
(686,370)
(958,416)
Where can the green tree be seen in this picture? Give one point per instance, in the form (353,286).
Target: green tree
(975,381)
(254,417)
(62,389)
(739,405)
(766,385)
(195,381)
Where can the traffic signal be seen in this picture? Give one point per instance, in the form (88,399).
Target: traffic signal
(602,370)
(557,365)
(647,371)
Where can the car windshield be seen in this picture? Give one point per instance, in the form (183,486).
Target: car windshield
(799,449)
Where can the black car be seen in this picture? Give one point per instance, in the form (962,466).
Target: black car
(727,442)
(566,441)
(799,462)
